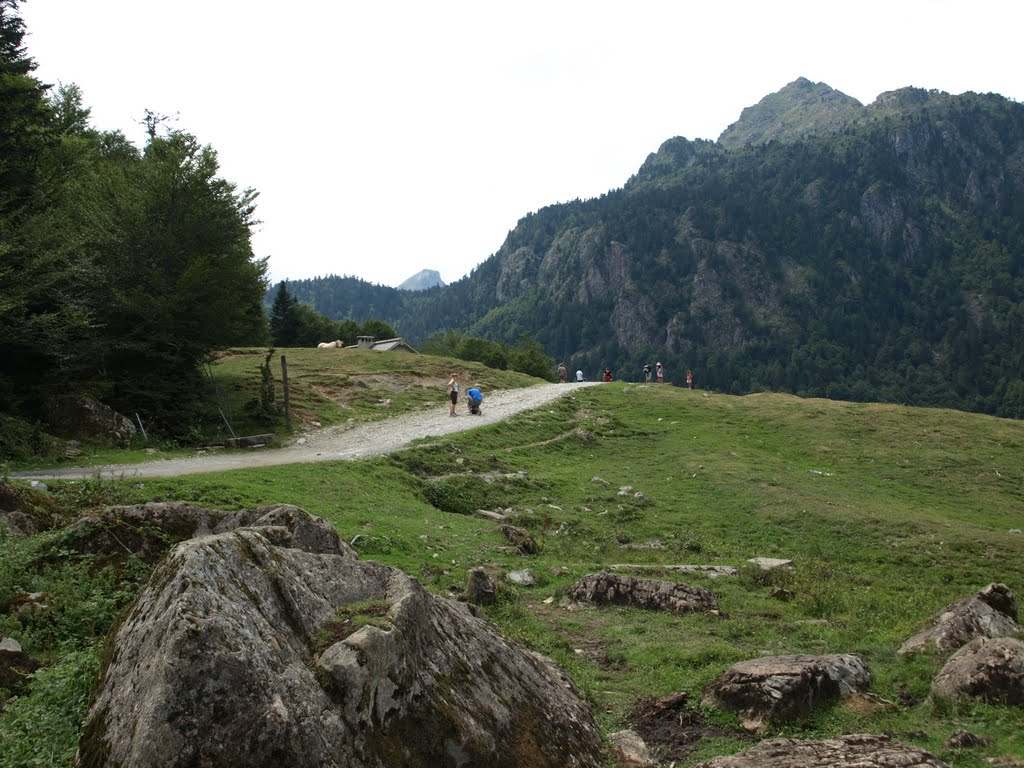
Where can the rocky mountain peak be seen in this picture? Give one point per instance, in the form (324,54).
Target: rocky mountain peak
(798,110)
(425,278)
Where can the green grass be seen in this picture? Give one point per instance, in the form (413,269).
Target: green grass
(889,513)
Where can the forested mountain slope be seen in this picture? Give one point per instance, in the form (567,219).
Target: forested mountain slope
(820,247)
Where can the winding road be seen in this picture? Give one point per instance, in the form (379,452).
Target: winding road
(338,443)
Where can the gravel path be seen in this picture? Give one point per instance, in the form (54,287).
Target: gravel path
(334,443)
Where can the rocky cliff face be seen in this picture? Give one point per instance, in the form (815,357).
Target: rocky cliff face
(821,246)
(248,649)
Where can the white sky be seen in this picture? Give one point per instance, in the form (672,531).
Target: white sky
(389,137)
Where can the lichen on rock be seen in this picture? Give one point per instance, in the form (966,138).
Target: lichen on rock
(224,660)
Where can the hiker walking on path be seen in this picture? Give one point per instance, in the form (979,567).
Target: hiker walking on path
(661,373)
(607,374)
(689,379)
(453,393)
(647,373)
(563,374)
(579,376)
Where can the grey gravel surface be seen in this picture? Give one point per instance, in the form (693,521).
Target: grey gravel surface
(333,443)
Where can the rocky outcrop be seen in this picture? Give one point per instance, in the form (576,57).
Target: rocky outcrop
(520,539)
(480,589)
(992,612)
(967,740)
(776,688)
(631,750)
(711,571)
(247,648)
(26,511)
(801,109)
(425,278)
(854,751)
(149,530)
(647,594)
(991,669)
(523,578)
(80,417)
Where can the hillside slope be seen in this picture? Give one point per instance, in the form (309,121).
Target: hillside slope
(888,513)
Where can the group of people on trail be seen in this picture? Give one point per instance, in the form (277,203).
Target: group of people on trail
(659,371)
(474,398)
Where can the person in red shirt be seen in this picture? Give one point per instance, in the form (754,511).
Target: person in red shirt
(607,374)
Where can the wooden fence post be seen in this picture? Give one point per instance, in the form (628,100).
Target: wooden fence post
(287,404)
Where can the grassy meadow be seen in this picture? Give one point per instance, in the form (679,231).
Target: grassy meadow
(889,513)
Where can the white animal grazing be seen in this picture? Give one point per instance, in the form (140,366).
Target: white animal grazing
(330,344)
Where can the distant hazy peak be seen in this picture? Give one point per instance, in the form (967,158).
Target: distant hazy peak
(426,278)
(800,109)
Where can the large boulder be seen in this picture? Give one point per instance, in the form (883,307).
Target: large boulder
(246,649)
(648,594)
(992,612)
(777,688)
(853,751)
(988,668)
(81,417)
(149,530)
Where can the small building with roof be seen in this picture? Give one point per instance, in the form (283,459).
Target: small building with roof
(397,344)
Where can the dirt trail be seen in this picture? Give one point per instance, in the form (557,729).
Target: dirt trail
(334,443)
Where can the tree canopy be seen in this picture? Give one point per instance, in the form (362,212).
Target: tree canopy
(120,269)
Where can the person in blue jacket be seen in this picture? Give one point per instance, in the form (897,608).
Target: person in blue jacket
(474,399)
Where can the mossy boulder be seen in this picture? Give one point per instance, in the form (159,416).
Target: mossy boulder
(247,648)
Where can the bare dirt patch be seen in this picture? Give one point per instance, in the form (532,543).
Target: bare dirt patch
(673,730)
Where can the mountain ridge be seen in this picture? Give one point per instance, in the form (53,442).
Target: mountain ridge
(826,248)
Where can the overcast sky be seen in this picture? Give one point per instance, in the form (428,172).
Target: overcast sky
(389,137)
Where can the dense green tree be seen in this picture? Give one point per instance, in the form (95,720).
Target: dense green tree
(378,329)
(528,357)
(120,271)
(183,278)
(285,323)
(295,324)
(24,117)
(491,353)
(442,344)
(41,317)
